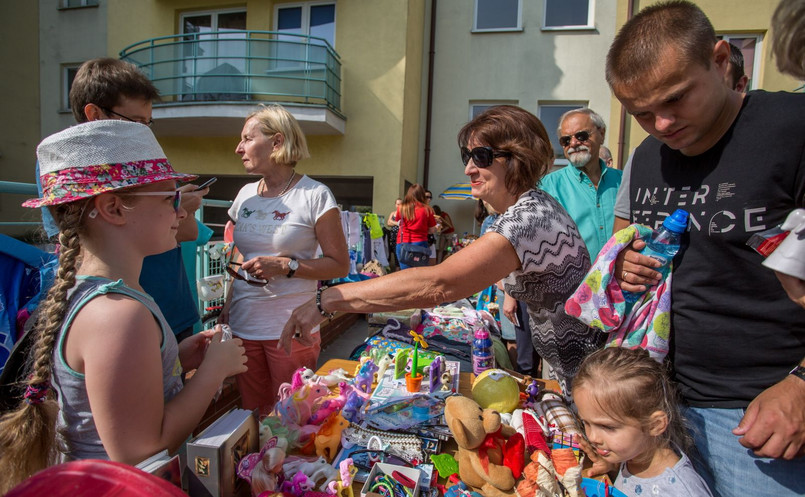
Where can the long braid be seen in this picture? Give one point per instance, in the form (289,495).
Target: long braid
(27,435)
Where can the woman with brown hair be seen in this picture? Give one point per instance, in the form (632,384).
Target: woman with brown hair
(415,221)
(534,246)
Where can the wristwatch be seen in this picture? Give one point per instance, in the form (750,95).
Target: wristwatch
(799,372)
(293,265)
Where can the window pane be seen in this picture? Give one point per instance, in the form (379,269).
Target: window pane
(549,115)
(747,46)
(476,110)
(322,22)
(496,14)
(290,19)
(566,12)
(231,20)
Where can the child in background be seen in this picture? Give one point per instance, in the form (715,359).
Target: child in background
(628,407)
(101,344)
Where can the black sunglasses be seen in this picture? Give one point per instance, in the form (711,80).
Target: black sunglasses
(581,136)
(141,121)
(481,156)
(248,279)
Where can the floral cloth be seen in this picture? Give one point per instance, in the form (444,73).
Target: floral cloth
(598,302)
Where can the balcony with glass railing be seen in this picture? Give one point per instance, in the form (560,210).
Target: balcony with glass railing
(205,79)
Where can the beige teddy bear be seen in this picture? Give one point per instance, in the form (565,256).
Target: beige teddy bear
(479,467)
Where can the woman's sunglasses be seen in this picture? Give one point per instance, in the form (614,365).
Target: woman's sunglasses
(247,278)
(481,156)
(176,194)
(581,136)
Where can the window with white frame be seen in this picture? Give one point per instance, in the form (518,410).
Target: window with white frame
(74,4)
(568,14)
(498,15)
(67,77)
(477,108)
(750,46)
(214,54)
(549,114)
(315,19)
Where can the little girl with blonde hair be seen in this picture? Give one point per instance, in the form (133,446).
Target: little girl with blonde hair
(105,368)
(628,408)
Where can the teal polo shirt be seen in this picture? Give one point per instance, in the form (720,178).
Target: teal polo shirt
(592,209)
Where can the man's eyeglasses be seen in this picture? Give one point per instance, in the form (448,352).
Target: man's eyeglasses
(141,121)
(581,136)
(236,273)
(481,156)
(177,196)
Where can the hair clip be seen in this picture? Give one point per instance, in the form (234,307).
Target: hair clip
(93,214)
(403,480)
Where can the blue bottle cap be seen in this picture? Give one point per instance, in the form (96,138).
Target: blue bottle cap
(677,222)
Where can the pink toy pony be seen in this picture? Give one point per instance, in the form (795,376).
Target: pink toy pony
(298,485)
(297,408)
(329,406)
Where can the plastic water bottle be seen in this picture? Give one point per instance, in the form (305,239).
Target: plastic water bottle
(482,356)
(663,246)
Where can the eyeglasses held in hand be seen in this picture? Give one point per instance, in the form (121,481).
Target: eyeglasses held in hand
(141,121)
(481,156)
(177,196)
(581,136)
(247,278)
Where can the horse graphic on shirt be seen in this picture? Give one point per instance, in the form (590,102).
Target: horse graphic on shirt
(280,216)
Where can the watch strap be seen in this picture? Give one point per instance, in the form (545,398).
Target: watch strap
(798,371)
(291,268)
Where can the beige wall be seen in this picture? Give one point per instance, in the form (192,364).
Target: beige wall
(528,68)
(19,85)
(380,45)
(727,17)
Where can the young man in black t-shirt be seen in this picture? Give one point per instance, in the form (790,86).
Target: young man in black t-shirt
(737,164)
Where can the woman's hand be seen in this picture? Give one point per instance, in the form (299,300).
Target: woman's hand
(228,357)
(303,319)
(510,307)
(192,349)
(265,267)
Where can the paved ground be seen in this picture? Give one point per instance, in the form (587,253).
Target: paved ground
(343,346)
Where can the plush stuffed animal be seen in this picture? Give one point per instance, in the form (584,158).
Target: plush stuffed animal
(486,460)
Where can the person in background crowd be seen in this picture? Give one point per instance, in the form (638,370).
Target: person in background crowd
(280,221)
(534,245)
(393,227)
(667,68)
(433,237)
(587,190)
(605,155)
(445,234)
(102,345)
(736,77)
(416,220)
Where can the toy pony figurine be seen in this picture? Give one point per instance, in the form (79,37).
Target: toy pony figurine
(351,410)
(343,487)
(331,405)
(328,438)
(297,408)
(365,377)
(317,470)
(298,485)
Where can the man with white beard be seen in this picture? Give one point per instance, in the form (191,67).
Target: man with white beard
(586,188)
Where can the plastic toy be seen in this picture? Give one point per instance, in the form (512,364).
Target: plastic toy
(343,487)
(331,405)
(262,469)
(328,437)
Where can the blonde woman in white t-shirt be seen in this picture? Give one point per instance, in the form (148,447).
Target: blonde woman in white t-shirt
(280,221)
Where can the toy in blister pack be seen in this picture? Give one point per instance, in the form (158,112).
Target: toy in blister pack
(401,413)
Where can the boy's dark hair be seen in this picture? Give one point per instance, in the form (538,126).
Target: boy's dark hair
(636,48)
(104,81)
(737,70)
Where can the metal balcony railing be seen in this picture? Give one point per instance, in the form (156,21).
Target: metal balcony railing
(241,65)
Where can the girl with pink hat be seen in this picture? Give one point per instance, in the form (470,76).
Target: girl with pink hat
(101,344)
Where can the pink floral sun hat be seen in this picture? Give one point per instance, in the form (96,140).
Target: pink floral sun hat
(97,157)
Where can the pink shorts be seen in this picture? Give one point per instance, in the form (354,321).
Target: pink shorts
(270,367)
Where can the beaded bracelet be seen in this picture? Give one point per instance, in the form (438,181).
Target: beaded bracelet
(328,315)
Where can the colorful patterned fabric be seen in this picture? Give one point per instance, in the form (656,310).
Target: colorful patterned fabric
(97,157)
(598,302)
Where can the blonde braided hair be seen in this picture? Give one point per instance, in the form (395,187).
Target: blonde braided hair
(27,434)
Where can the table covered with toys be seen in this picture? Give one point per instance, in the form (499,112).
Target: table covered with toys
(411,424)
